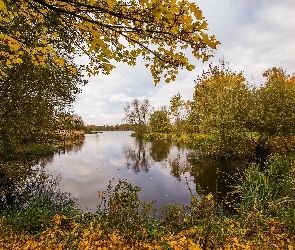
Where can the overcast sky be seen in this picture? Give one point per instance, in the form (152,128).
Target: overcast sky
(254,34)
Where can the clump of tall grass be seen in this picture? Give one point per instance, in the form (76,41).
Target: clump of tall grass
(267,195)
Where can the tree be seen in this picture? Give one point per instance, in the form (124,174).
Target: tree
(160,122)
(137,113)
(222,101)
(31,100)
(70,122)
(193,118)
(33,97)
(273,115)
(246,121)
(157,30)
(179,112)
(275,104)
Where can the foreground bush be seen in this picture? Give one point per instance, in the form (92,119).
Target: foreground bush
(264,219)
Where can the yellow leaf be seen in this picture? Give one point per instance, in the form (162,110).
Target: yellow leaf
(18,60)
(110,3)
(2,6)
(15,46)
(167,80)
(73,69)
(8,64)
(60,61)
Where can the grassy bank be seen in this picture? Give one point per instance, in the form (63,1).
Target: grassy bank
(250,146)
(196,141)
(264,218)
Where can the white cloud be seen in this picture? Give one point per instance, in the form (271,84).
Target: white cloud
(120,98)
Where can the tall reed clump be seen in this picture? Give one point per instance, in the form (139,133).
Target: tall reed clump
(267,198)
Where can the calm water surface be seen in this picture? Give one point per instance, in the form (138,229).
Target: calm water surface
(162,170)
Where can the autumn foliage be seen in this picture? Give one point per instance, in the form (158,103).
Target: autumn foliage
(159,31)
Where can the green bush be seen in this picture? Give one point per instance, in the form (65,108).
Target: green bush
(122,210)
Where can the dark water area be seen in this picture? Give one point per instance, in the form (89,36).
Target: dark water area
(163,171)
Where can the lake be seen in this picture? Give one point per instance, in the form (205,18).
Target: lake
(162,170)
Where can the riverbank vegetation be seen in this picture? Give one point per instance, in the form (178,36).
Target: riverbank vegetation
(263,217)
(226,116)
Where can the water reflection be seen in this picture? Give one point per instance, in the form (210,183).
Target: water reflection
(160,150)
(179,163)
(137,158)
(23,180)
(72,145)
(216,176)
(143,155)
(159,168)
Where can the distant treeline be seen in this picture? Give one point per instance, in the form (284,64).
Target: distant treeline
(88,129)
